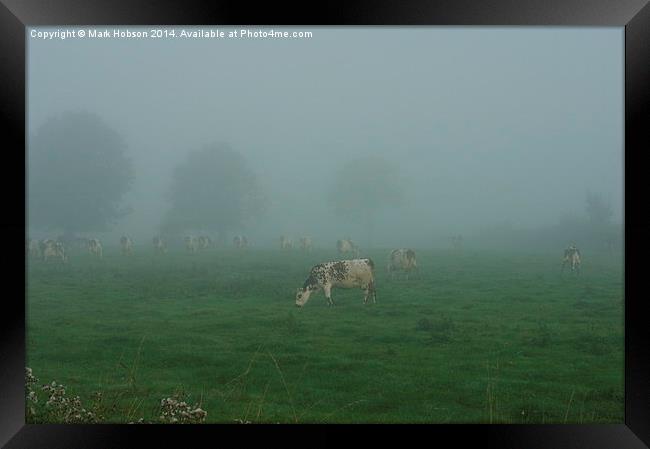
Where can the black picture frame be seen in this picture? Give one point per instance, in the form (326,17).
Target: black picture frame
(634,15)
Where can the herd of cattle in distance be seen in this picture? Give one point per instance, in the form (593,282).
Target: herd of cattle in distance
(352,272)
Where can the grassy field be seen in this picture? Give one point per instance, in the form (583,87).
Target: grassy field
(480,337)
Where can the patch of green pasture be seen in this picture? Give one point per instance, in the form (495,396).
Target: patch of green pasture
(477,337)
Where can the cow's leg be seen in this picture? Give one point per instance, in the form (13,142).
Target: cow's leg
(327,289)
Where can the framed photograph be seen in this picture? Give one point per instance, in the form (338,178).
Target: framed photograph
(397,223)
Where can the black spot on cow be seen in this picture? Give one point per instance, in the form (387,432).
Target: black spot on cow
(310,283)
(338,271)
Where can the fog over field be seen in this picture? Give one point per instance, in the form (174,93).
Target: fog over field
(462,130)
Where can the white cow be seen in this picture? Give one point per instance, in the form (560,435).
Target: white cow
(457,242)
(240,242)
(402,259)
(53,249)
(305,243)
(342,274)
(159,245)
(127,245)
(572,257)
(347,246)
(204,242)
(191,244)
(286,242)
(95,248)
(33,248)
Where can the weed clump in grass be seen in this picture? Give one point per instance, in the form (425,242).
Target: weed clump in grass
(592,344)
(173,410)
(541,337)
(442,330)
(439,330)
(59,407)
(291,324)
(31,399)
(424,324)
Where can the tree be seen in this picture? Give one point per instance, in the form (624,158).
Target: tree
(598,210)
(214,189)
(363,187)
(78,174)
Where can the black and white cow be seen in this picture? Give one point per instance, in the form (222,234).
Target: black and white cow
(572,257)
(191,244)
(457,242)
(52,249)
(346,246)
(286,242)
(127,245)
(204,242)
(95,248)
(341,274)
(159,245)
(240,242)
(33,248)
(305,243)
(402,259)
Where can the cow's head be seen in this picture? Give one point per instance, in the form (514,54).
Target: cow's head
(302,296)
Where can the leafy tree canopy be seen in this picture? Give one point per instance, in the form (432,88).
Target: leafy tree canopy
(598,210)
(213,189)
(78,174)
(365,185)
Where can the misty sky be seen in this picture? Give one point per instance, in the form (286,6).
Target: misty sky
(487,125)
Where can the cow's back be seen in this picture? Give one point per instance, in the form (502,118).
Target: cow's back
(354,272)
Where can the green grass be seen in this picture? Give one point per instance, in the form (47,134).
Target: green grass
(479,337)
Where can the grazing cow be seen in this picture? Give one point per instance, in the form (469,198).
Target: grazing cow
(402,260)
(286,242)
(159,245)
(204,242)
(457,242)
(53,249)
(343,274)
(240,242)
(347,246)
(572,257)
(33,248)
(43,244)
(127,245)
(305,243)
(191,244)
(95,248)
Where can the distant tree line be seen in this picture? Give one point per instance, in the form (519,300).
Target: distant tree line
(594,230)
(79,173)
